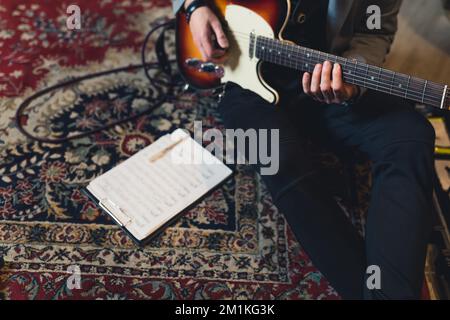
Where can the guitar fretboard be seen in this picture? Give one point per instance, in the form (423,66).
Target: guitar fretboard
(354,72)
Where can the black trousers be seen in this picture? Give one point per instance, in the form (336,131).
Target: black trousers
(399,142)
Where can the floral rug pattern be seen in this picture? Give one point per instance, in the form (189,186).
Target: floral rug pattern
(234,244)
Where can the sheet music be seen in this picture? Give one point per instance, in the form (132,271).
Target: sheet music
(143,193)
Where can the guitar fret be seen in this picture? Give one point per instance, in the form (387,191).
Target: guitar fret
(444,98)
(424,90)
(286,54)
(367,74)
(306,55)
(371,77)
(379,76)
(314,58)
(294,61)
(370,80)
(273,56)
(356,69)
(335,59)
(292,53)
(277,53)
(392,83)
(407,86)
(269,51)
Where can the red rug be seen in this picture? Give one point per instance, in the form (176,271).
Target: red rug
(233,245)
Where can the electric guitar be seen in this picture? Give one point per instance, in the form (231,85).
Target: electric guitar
(255,32)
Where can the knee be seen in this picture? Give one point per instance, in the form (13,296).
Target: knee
(407,136)
(406,153)
(421,130)
(413,127)
(412,150)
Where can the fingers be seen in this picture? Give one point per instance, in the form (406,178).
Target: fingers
(206,43)
(206,29)
(206,46)
(198,40)
(338,84)
(325,82)
(220,35)
(199,45)
(306,83)
(315,83)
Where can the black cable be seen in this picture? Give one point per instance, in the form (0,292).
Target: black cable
(160,53)
(163,63)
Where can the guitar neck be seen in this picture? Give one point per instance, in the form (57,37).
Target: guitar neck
(354,72)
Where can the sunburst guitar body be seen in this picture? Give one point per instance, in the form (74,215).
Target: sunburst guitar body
(255,31)
(241,20)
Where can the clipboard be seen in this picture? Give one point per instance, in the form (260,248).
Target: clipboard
(111,215)
(149,186)
(146,241)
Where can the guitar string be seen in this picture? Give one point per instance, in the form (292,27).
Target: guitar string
(412,87)
(432,87)
(363,81)
(412,90)
(376,85)
(245,36)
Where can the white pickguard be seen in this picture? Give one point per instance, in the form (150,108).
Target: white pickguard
(240,68)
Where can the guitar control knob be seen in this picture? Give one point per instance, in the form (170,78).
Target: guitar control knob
(210,67)
(206,67)
(193,62)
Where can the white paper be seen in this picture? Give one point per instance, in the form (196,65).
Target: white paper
(143,194)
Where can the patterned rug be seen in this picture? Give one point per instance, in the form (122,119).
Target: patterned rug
(232,245)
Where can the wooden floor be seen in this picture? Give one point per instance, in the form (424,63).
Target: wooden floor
(422,44)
